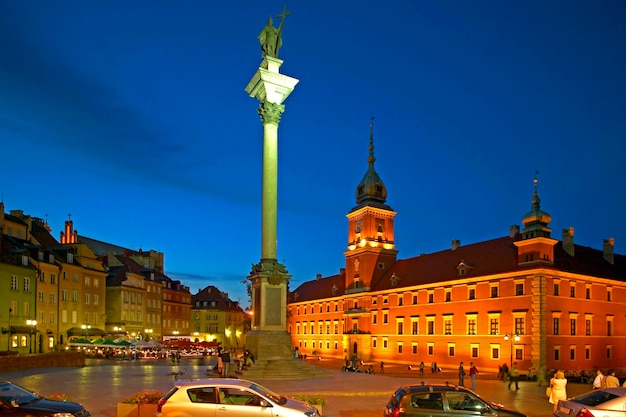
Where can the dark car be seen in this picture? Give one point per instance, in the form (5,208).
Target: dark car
(18,401)
(439,400)
(605,402)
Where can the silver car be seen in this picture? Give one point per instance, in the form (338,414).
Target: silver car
(236,397)
(606,402)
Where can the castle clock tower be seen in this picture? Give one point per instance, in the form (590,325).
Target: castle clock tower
(371,248)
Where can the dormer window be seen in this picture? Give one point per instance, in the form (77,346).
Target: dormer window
(333,290)
(70,258)
(463,269)
(25,260)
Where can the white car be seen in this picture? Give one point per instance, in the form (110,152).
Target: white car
(237,397)
(605,402)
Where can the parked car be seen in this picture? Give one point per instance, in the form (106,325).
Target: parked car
(606,402)
(439,400)
(17,401)
(204,397)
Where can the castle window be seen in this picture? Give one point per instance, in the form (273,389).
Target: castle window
(381,265)
(471,294)
(494,291)
(519,289)
(572,290)
(588,293)
(608,294)
(556,289)
(431,297)
(448,295)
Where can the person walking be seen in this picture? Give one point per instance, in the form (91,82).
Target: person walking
(514,376)
(598,380)
(505,372)
(473,372)
(220,364)
(611,380)
(557,389)
(226,362)
(382,367)
(461,374)
(422,368)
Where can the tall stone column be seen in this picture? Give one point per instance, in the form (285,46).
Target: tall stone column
(268,338)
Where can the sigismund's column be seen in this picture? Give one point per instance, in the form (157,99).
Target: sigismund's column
(268,338)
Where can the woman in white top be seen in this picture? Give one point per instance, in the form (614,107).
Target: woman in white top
(558,391)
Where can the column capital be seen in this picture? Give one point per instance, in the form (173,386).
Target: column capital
(271,112)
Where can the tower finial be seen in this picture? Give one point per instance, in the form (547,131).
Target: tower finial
(371,159)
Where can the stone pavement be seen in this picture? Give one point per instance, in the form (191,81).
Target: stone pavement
(102,383)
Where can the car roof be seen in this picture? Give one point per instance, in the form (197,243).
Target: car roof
(433,387)
(232,382)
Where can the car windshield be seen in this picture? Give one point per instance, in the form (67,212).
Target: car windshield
(268,393)
(595,398)
(15,394)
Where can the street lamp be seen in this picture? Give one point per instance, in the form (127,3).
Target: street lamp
(33,324)
(86,328)
(147,332)
(510,339)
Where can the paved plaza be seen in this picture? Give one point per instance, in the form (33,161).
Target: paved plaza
(102,383)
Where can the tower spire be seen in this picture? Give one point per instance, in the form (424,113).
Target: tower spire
(536,221)
(371,191)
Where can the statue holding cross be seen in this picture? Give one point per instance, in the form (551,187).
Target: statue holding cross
(271,37)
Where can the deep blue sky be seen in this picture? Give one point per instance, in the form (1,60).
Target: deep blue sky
(132,116)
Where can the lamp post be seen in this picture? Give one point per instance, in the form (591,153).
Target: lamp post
(86,328)
(9,342)
(510,339)
(33,325)
(147,332)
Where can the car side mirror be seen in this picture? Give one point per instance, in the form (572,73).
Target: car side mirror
(264,403)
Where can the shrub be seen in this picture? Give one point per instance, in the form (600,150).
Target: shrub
(311,399)
(60,397)
(143,397)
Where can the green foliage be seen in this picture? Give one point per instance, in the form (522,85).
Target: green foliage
(143,397)
(311,399)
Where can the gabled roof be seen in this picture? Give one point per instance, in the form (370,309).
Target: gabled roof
(319,288)
(480,259)
(101,248)
(212,295)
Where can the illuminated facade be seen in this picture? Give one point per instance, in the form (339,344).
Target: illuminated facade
(216,318)
(524,297)
(59,292)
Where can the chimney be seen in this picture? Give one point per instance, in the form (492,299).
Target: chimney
(318,277)
(568,241)
(609,245)
(513,230)
(456,244)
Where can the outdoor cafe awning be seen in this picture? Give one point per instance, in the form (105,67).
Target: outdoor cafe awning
(77,331)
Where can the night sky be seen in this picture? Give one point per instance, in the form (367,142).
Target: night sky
(132,116)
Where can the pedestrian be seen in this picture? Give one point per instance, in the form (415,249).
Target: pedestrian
(461,374)
(557,389)
(505,372)
(382,367)
(226,362)
(433,367)
(514,376)
(611,380)
(220,364)
(473,372)
(598,380)
(422,368)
